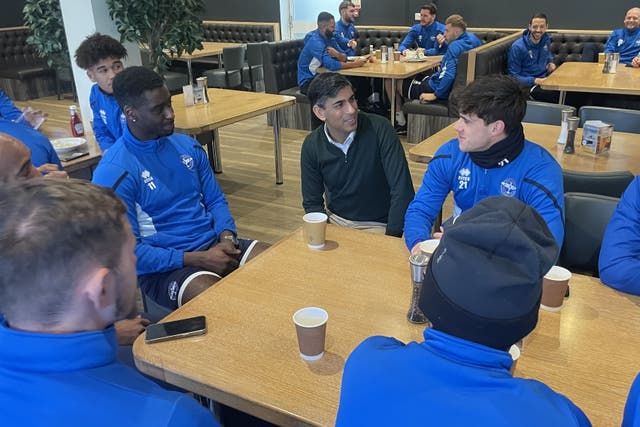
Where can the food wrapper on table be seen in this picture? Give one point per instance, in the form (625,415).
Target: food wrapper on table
(596,136)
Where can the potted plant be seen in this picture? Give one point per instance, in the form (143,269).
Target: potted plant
(160,26)
(44,19)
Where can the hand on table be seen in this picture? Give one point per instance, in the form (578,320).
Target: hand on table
(635,63)
(539,80)
(427,97)
(128,330)
(352,44)
(551,67)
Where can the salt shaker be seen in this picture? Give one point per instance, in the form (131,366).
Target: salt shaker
(572,126)
(418,263)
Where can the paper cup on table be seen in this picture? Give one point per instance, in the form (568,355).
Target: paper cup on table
(315,228)
(554,288)
(311,328)
(428,247)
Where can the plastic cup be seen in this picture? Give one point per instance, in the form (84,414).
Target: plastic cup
(554,288)
(311,329)
(428,247)
(314,230)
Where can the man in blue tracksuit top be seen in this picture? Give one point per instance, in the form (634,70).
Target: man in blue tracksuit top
(186,237)
(530,59)
(427,34)
(42,152)
(101,56)
(481,292)
(490,157)
(620,252)
(345,30)
(458,41)
(626,41)
(321,50)
(71,276)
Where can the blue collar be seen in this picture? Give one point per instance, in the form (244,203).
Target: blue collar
(41,352)
(149,146)
(466,352)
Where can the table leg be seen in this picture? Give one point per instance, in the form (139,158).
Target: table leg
(393,101)
(215,158)
(276,146)
(563,95)
(189,71)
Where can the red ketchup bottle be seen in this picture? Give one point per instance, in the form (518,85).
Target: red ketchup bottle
(77,129)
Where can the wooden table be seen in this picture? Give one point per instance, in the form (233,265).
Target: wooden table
(624,154)
(394,70)
(224,108)
(208,49)
(588,77)
(87,161)
(249,357)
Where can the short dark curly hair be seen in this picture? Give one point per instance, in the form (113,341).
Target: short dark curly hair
(130,85)
(97,47)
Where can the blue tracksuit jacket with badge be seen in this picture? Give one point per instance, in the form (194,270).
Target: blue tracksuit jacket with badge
(344,34)
(108,119)
(425,37)
(314,55)
(533,177)
(442,82)
(174,203)
(527,60)
(624,42)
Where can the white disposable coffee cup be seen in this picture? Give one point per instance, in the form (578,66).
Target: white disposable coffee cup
(554,288)
(311,329)
(428,247)
(315,227)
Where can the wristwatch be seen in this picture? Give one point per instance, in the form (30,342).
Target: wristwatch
(232,238)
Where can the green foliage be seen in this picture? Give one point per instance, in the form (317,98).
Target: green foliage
(174,25)
(44,19)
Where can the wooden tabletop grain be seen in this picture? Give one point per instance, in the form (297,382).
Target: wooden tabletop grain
(588,77)
(249,357)
(391,69)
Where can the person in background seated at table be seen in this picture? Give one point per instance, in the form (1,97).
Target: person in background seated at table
(626,41)
(459,41)
(631,416)
(321,50)
(427,35)
(345,30)
(354,164)
(186,236)
(619,262)
(490,157)
(481,292)
(101,56)
(10,112)
(530,59)
(68,273)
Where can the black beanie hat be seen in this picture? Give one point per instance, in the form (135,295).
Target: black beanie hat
(484,280)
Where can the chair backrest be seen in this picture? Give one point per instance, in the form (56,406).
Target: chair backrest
(586,218)
(621,119)
(610,184)
(233,57)
(281,64)
(254,54)
(545,113)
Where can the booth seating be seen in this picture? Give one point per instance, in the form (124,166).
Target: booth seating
(281,77)
(23,74)
(231,32)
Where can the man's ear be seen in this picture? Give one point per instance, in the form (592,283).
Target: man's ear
(129,113)
(99,287)
(497,127)
(319,112)
(91,76)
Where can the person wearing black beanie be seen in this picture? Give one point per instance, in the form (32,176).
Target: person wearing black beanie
(481,292)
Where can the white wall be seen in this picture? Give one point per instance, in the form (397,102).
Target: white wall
(82,18)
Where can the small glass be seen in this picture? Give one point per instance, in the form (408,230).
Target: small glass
(418,263)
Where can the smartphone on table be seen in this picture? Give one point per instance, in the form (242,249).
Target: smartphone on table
(176,329)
